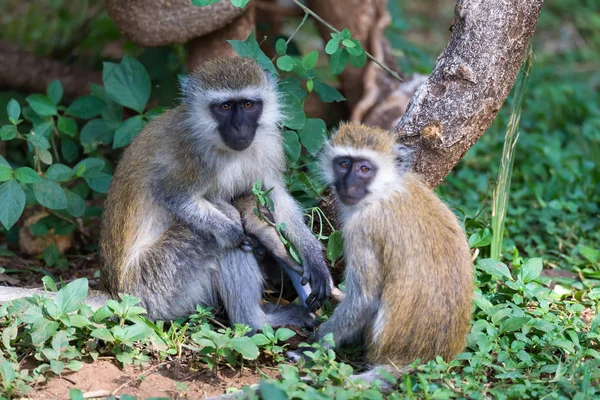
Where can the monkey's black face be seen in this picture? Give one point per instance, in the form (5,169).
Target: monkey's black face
(352,178)
(237,121)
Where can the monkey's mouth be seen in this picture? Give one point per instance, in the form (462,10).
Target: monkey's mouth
(239,144)
(351,200)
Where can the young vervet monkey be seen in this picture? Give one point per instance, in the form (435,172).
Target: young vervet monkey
(170,234)
(408,270)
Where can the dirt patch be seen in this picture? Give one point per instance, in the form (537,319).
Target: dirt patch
(160,380)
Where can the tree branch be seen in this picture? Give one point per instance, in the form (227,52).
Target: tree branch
(471,80)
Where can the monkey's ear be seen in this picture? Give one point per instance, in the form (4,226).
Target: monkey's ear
(404,157)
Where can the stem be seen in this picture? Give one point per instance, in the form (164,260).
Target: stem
(502,191)
(53,143)
(331,27)
(297,29)
(38,167)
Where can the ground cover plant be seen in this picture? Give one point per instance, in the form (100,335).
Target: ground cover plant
(534,325)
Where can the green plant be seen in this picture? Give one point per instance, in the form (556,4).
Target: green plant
(226,344)
(269,340)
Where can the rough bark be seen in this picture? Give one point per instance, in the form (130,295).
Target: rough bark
(215,43)
(27,72)
(471,80)
(163,22)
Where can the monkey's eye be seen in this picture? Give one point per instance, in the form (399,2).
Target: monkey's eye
(225,107)
(364,168)
(248,104)
(344,164)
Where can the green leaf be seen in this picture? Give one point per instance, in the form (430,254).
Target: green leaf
(291,145)
(338,61)
(13,109)
(294,113)
(590,254)
(245,346)
(271,392)
(75,204)
(327,93)
(345,34)
(70,297)
(348,43)
(86,107)
(75,394)
(356,48)
(51,254)
(127,83)
(12,203)
(49,282)
(102,334)
(285,63)
(281,46)
(44,129)
(335,246)
(69,149)
(494,268)
(50,194)
(202,3)
(45,156)
(284,334)
(27,175)
(99,182)
(55,91)
(8,132)
(309,61)
(42,105)
(136,333)
(260,340)
(291,87)
(6,171)
(39,141)
(513,324)
(67,125)
(59,173)
(7,372)
(332,46)
(250,48)
(313,135)
(43,331)
(358,61)
(127,131)
(96,131)
(309,85)
(481,238)
(239,3)
(530,270)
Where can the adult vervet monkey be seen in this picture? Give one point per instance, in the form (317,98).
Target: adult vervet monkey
(170,234)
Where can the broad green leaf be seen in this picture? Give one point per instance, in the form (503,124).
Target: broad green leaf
(39,141)
(284,334)
(127,83)
(113,112)
(50,194)
(12,203)
(250,48)
(27,175)
(202,3)
(70,297)
(43,331)
(50,284)
(309,61)
(260,340)
(245,346)
(6,171)
(42,105)
(136,333)
(327,93)
(285,63)
(338,61)
(88,166)
(13,109)
(8,132)
(291,86)
(294,114)
(591,254)
(75,204)
(75,394)
(59,173)
(67,125)
(348,43)
(44,129)
(345,34)
(332,46)
(127,131)
(96,131)
(291,145)
(86,107)
(513,324)
(51,254)
(55,91)
(69,149)
(45,156)
(356,49)
(309,85)
(7,372)
(494,268)
(240,3)
(335,246)
(481,238)
(271,392)
(281,46)
(99,182)
(531,270)
(313,135)
(358,61)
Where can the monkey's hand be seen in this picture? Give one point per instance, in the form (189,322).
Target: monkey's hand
(317,273)
(235,237)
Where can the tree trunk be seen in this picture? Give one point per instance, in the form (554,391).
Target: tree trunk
(471,80)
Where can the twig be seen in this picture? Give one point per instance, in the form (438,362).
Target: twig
(331,27)
(214,321)
(74,223)
(96,394)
